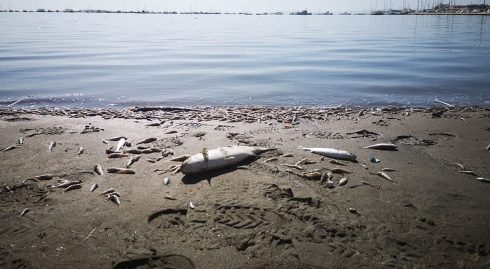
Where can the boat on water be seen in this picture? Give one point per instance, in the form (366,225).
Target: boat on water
(303,12)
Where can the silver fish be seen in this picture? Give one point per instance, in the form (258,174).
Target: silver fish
(482,179)
(105,142)
(115,199)
(331,153)
(10,148)
(460,166)
(80,151)
(147,140)
(98,169)
(191,205)
(110,190)
(487,148)
(166,181)
(120,144)
(66,183)
(383,146)
(343,181)
(133,160)
(20,141)
(25,211)
(94,187)
(385,176)
(168,197)
(468,172)
(73,187)
(354,211)
(51,146)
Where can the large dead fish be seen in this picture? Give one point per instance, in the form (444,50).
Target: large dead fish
(218,158)
(332,153)
(383,146)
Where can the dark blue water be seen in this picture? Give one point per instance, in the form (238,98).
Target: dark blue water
(128,59)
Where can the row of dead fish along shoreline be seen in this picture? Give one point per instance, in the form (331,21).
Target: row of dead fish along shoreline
(290,115)
(214,159)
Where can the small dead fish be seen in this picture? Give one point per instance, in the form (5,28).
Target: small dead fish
(354,211)
(80,151)
(117,155)
(105,142)
(343,181)
(330,184)
(388,170)
(287,155)
(168,197)
(385,176)
(133,160)
(43,177)
(146,140)
(191,205)
(94,187)
(117,138)
(293,166)
(468,172)
(115,199)
(374,160)
(337,162)
(482,179)
(20,141)
(180,158)
(51,146)
(155,124)
(312,175)
(25,211)
(98,169)
(459,165)
(171,132)
(364,166)
(10,148)
(73,187)
(114,170)
(305,161)
(340,171)
(120,144)
(166,181)
(487,148)
(110,190)
(383,146)
(65,183)
(271,159)
(368,184)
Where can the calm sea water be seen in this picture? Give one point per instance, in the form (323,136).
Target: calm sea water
(131,59)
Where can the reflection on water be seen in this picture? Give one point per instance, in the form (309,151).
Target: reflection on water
(127,59)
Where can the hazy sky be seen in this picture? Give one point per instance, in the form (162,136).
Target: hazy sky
(223,5)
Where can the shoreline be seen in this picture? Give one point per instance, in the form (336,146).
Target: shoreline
(262,213)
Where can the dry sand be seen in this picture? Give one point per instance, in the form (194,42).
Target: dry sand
(257,215)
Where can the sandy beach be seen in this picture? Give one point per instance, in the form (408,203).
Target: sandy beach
(424,205)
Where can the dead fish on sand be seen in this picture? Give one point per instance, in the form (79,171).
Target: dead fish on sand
(25,211)
(10,148)
(80,151)
(133,160)
(343,181)
(98,169)
(388,170)
(340,171)
(487,148)
(147,140)
(120,144)
(105,142)
(383,146)
(180,158)
(468,172)
(114,170)
(166,181)
(331,153)
(117,155)
(117,138)
(20,141)
(114,199)
(63,183)
(354,211)
(110,190)
(293,166)
(41,177)
(94,187)
(385,176)
(374,160)
(51,146)
(305,161)
(191,205)
(482,179)
(218,158)
(459,165)
(337,162)
(73,187)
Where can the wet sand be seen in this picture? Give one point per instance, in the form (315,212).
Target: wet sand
(256,215)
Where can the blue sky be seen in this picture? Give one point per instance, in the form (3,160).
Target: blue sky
(223,5)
